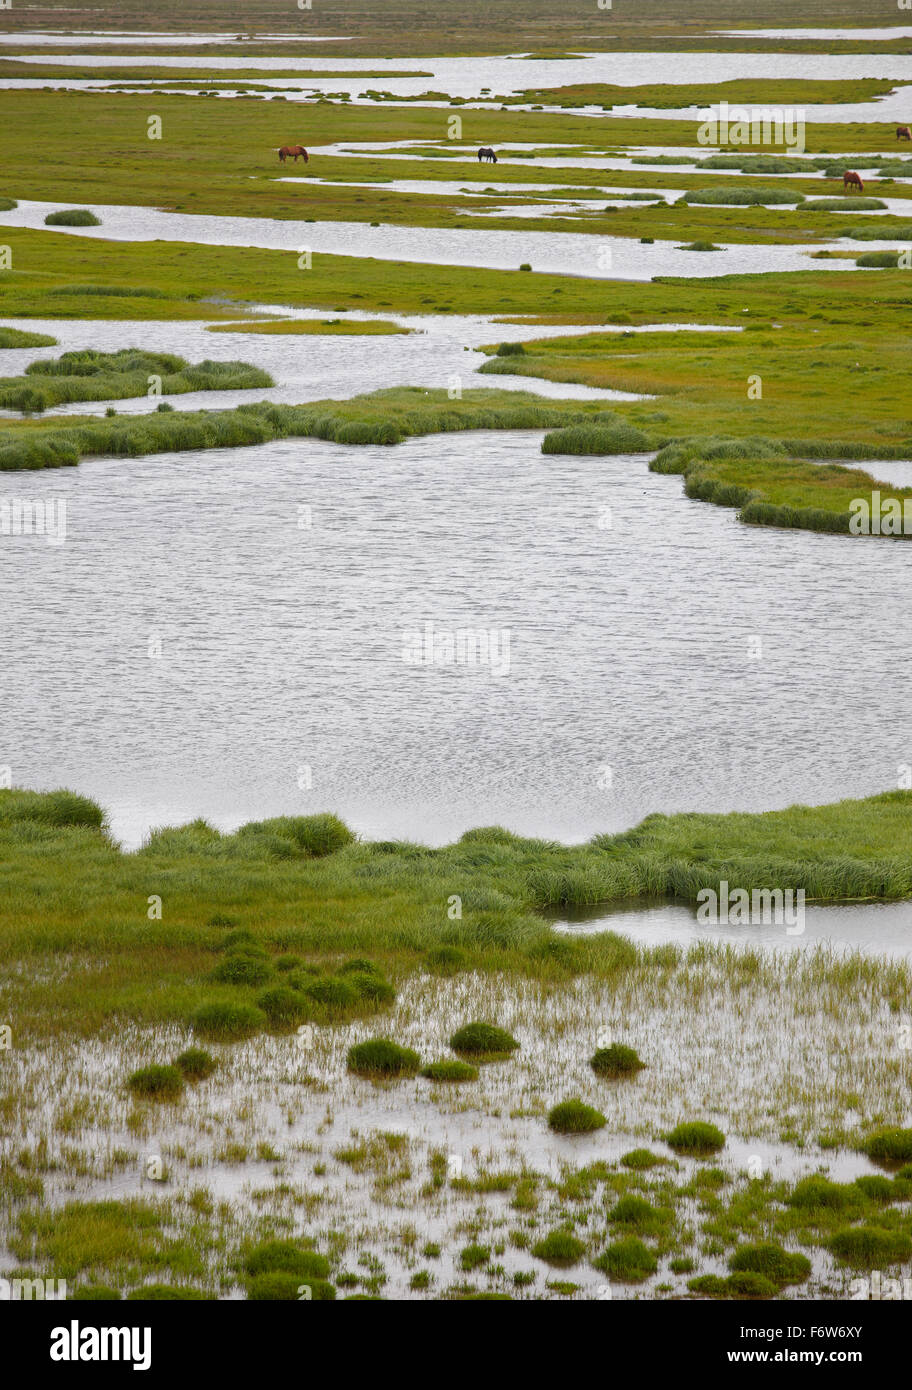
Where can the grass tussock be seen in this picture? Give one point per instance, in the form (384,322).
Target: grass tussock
(90,375)
(742,197)
(72,217)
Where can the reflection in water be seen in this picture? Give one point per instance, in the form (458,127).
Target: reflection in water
(875,929)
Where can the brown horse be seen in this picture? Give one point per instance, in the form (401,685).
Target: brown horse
(903,132)
(487,153)
(296,150)
(852,180)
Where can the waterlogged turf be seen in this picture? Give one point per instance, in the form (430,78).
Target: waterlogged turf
(241,1065)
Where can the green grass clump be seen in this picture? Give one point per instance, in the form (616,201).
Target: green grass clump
(473,1256)
(878,231)
(22,338)
(869,1247)
(334,995)
(744,1285)
(616,1061)
(288,1288)
(287,962)
(511,350)
(843,205)
(596,439)
(314,836)
(371,987)
(228,1021)
(243,966)
(878,260)
(889,1146)
(94,1293)
(380,1057)
(72,217)
(559,1248)
(820,1193)
(637,1212)
(450,1070)
(156,1083)
(87,374)
(701,245)
(640,1159)
(629,1261)
(195,1063)
(772,1261)
(483,1041)
(574,1117)
(285,1257)
(282,1006)
(741,197)
(695,1137)
(57,808)
(447,960)
(876,1188)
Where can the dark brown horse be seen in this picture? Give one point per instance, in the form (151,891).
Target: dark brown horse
(852,180)
(296,150)
(903,132)
(487,153)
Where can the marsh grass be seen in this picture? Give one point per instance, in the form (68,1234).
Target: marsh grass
(771,1261)
(483,1042)
(616,1061)
(90,375)
(628,1261)
(575,1117)
(450,1070)
(697,1138)
(742,197)
(157,1083)
(72,217)
(385,417)
(382,1058)
(22,338)
(561,1248)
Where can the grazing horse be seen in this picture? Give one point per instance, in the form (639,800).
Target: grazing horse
(487,153)
(286,150)
(852,180)
(903,132)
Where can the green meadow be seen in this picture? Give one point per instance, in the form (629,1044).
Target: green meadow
(79,913)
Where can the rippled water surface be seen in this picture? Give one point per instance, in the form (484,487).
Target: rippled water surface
(282,647)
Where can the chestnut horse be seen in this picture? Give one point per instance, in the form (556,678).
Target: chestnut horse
(903,132)
(487,153)
(852,180)
(286,150)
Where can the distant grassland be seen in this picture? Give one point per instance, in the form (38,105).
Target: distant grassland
(806,340)
(72,899)
(219,157)
(295,327)
(477,26)
(766,91)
